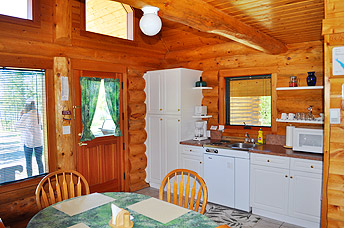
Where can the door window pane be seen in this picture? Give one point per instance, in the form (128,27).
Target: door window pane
(102,123)
(22,124)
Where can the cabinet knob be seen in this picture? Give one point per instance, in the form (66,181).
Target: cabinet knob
(200,162)
(160,119)
(312,166)
(178,120)
(178,109)
(291,177)
(161,109)
(190,150)
(286,175)
(268,160)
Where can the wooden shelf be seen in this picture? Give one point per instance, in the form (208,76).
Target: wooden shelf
(300,88)
(301,121)
(201,117)
(202,87)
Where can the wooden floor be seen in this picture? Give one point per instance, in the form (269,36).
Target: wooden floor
(263,223)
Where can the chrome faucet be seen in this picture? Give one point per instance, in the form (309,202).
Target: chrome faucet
(247,137)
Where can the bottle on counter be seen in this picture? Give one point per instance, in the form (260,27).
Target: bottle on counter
(260,136)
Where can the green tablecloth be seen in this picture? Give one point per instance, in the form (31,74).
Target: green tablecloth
(100,216)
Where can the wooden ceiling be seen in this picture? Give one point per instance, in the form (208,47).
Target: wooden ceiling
(264,25)
(290,21)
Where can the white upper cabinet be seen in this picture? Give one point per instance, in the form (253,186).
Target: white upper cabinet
(153,92)
(170,91)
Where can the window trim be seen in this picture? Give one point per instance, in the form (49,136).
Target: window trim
(227,97)
(247,72)
(36,17)
(103,37)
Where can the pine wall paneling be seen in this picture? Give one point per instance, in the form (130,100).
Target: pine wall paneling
(333,182)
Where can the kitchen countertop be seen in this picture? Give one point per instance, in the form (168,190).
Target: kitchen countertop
(268,149)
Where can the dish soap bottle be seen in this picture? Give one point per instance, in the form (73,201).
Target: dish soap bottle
(260,136)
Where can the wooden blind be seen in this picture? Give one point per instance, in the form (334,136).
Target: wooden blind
(245,97)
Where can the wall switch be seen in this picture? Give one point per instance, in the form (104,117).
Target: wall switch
(335,116)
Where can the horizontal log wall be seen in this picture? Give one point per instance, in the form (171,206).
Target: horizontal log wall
(300,59)
(137,132)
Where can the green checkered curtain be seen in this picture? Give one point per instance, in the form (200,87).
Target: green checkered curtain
(112,94)
(89,97)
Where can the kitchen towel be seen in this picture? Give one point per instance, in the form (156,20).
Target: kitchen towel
(289,137)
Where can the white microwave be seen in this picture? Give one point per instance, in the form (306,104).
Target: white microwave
(308,140)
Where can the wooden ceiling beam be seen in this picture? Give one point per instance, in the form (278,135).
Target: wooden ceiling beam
(204,17)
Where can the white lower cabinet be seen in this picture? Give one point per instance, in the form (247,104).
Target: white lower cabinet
(192,158)
(163,133)
(291,194)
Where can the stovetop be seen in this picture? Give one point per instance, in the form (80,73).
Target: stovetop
(218,144)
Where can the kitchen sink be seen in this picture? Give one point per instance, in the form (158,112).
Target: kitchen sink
(243,146)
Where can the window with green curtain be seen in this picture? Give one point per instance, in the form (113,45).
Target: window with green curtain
(100,107)
(248,100)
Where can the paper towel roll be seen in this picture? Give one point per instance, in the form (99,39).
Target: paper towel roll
(289,137)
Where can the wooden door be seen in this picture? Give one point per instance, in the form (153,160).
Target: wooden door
(100,160)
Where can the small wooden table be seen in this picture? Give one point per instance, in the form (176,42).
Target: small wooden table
(100,216)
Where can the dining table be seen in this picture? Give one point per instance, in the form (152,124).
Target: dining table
(94,210)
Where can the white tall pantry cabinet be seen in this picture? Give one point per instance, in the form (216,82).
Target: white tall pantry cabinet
(170,106)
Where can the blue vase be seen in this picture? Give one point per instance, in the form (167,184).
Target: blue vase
(311,79)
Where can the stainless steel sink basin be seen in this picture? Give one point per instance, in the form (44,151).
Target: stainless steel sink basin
(243,146)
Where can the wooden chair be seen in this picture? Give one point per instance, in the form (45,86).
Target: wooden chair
(192,205)
(1,224)
(60,185)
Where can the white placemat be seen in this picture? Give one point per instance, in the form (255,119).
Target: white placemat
(82,204)
(158,210)
(79,225)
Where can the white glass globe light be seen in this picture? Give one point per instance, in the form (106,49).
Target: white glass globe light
(150,22)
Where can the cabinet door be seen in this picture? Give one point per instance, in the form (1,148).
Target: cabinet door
(305,195)
(156,157)
(171,139)
(171,87)
(154,92)
(194,163)
(269,188)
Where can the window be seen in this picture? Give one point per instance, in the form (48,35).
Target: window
(109,18)
(248,100)
(17,8)
(23,150)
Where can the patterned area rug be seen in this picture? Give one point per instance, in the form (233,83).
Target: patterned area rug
(229,216)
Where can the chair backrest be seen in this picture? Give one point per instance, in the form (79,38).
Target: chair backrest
(60,185)
(189,200)
(1,224)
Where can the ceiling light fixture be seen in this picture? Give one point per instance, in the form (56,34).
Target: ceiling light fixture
(150,22)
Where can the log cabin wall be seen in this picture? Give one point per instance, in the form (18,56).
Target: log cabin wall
(230,58)
(333,181)
(58,33)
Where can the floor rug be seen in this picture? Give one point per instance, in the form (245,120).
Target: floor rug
(229,216)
